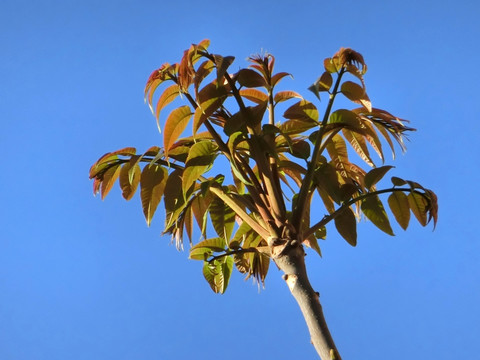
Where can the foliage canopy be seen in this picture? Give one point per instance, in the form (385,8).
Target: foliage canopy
(278,168)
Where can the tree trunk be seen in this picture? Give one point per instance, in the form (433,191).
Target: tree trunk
(291,261)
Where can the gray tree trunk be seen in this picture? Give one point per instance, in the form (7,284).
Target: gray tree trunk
(291,260)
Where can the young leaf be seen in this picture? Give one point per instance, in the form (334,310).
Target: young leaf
(373,209)
(285,95)
(257,96)
(375,175)
(398,203)
(152,185)
(346,225)
(174,125)
(302,110)
(222,64)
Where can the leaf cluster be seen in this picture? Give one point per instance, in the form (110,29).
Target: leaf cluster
(277,168)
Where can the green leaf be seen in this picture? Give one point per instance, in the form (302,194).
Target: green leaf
(206,248)
(373,209)
(223,218)
(398,203)
(346,225)
(152,184)
(129,179)
(218,272)
(344,117)
(375,175)
(200,159)
(419,205)
(173,198)
(175,125)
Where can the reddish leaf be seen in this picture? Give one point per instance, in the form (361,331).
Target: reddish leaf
(257,96)
(109,179)
(277,77)
(222,64)
(166,98)
(250,78)
(302,110)
(285,95)
(174,125)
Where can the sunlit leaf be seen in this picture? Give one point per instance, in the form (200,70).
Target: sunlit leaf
(109,178)
(359,145)
(175,125)
(277,77)
(168,95)
(346,225)
(152,185)
(418,204)
(129,179)
(200,159)
(257,96)
(329,65)
(285,95)
(375,175)
(373,209)
(398,203)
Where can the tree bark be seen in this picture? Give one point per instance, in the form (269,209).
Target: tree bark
(291,261)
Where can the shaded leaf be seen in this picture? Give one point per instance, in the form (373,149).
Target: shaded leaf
(222,64)
(223,218)
(209,99)
(397,181)
(346,225)
(398,203)
(373,209)
(418,204)
(375,175)
(250,78)
(152,185)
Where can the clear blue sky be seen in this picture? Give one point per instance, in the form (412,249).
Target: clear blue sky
(86,279)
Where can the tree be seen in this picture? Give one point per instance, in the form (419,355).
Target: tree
(260,210)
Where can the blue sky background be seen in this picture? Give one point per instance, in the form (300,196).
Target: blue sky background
(86,279)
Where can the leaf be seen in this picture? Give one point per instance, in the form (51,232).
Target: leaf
(357,141)
(277,77)
(129,179)
(206,248)
(152,185)
(200,159)
(223,218)
(222,64)
(302,110)
(312,243)
(346,225)
(344,117)
(375,175)
(397,181)
(175,125)
(297,126)
(324,83)
(373,209)
(419,205)
(218,272)
(109,179)
(250,78)
(285,95)
(257,96)
(398,203)
(168,95)
(209,99)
